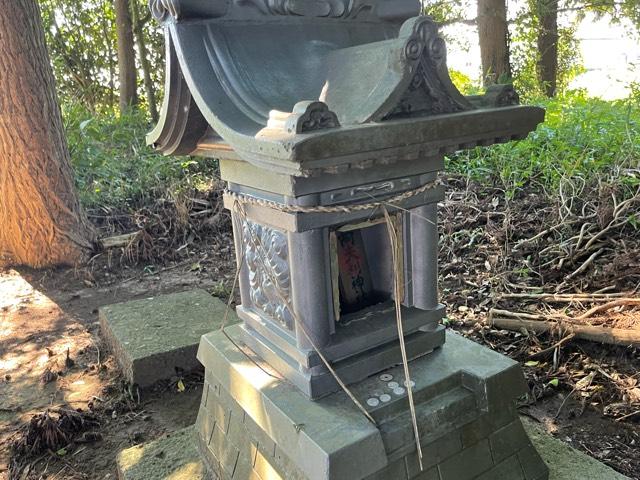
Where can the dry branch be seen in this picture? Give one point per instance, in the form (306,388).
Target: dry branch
(612,336)
(120,240)
(607,306)
(550,349)
(569,297)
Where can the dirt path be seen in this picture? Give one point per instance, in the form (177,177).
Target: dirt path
(44,315)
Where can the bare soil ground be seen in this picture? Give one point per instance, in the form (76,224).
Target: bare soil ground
(46,314)
(585,393)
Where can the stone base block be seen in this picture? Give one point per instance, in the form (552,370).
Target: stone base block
(351,369)
(152,337)
(253,424)
(176,457)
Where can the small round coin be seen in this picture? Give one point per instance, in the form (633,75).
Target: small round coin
(398,391)
(385,397)
(386,377)
(373,402)
(411,383)
(393,385)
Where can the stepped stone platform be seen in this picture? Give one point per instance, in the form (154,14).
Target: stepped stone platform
(176,458)
(152,337)
(255,425)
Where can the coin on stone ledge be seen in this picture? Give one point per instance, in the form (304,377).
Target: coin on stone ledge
(386,377)
(373,402)
(393,385)
(384,398)
(398,391)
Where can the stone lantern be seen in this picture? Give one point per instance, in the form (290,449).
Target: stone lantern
(330,120)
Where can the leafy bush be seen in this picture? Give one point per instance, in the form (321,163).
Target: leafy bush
(464,83)
(114,166)
(581,138)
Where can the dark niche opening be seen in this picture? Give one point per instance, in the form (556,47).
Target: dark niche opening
(362,266)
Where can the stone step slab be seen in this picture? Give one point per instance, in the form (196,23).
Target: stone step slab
(152,337)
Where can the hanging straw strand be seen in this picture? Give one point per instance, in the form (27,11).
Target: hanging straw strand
(397,292)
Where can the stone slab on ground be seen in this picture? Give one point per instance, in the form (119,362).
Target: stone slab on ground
(173,457)
(151,337)
(176,458)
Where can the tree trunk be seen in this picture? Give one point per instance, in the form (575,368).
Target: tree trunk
(493,33)
(126,56)
(41,221)
(548,45)
(112,65)
(138,24)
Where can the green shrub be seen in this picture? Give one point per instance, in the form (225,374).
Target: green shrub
(113,165)
(581,138)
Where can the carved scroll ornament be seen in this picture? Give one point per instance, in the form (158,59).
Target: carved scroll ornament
(306,117)
(430,91)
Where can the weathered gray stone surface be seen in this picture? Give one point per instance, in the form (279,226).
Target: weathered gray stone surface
(464,396)
(153,336)
(173,457)
(345,81)
(352,103)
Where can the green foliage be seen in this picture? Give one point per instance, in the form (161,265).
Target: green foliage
(115,167)
(582,139)
(464,83)
(447,11)
(618,10)
(525,54)
(81,39)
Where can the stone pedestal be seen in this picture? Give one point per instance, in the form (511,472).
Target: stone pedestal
(253,424)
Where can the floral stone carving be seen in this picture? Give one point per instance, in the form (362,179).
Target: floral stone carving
(267,260)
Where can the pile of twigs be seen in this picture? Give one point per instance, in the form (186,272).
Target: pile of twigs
(587,225)
(533,275)
(52,432)
(166,229)
(586,241)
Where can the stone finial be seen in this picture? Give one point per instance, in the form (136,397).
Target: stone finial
(501,96)
(307,116)
(496,96)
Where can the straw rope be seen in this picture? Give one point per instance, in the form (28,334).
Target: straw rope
(358,207)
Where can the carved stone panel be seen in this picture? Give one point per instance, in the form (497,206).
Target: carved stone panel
(267,259)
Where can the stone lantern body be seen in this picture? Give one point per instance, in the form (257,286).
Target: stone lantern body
(330,120)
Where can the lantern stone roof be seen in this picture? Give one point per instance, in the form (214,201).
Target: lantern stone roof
(304,87)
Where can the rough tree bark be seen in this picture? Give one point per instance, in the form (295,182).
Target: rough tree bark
(493,33)
(126,56)
(547,11)
(41,221)
(138,25)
